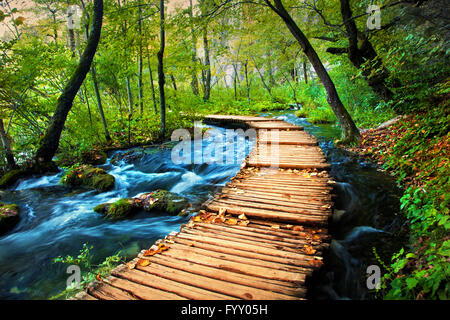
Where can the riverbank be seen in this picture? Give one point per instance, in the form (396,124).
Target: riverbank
(415,150)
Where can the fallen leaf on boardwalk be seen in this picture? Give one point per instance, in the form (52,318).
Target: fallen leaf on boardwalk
(243,217)
(197,218)
(162,247)
(309,249)
(98,277)
(316,237)
(289,226)
(143,262)
(231,222)
(298,228)
(148,253)
(131,265)
(190,244)
(222,211)
(243,223)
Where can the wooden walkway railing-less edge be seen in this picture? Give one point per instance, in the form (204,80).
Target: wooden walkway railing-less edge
(259,238)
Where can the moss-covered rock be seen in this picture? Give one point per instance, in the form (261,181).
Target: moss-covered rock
(117,210)
(88,176)
(10,177)
(9,216)
(162,200)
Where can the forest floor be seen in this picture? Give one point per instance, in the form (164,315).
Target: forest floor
(415,150)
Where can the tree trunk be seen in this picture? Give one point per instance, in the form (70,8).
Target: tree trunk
(194,81)
(151,82)
(358,56)
(50,142)
(262,78)
(161,78)
(207,84)
(349,130)
(246,81)
(130,96)
(140,84)
(11,162)
(305,72)
(99,103)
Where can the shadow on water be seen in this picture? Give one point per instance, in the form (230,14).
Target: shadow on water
(57,220)
(365,216)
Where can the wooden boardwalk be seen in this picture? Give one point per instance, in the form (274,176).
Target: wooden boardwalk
(260,238)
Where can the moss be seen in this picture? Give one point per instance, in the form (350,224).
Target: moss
(89,176)
(9,216)
(10,177)
(163,200)
(102,208)
(117,210)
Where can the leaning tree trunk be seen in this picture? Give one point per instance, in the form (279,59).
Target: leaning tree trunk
(359,55)
(161,78)
(349,130)
(11,162)
(151,82)
(50,142)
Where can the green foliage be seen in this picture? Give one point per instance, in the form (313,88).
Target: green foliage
(90,270)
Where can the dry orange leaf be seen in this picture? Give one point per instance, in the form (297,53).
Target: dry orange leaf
(231,221)
(298,228)
(143,262)
(98,277)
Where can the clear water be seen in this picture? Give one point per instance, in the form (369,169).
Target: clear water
(57,220)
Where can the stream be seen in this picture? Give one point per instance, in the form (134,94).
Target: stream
(57,220)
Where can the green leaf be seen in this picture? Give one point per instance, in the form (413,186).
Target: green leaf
(411,283)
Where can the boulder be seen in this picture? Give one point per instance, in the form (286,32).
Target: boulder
(162,200)
(117,210)
(9,216)
(88,176)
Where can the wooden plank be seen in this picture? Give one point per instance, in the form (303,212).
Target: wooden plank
(223,282)
(260,205)
(269,214)
(302,259)
(233,251)
(180,289)
(104,291)
(241,258)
